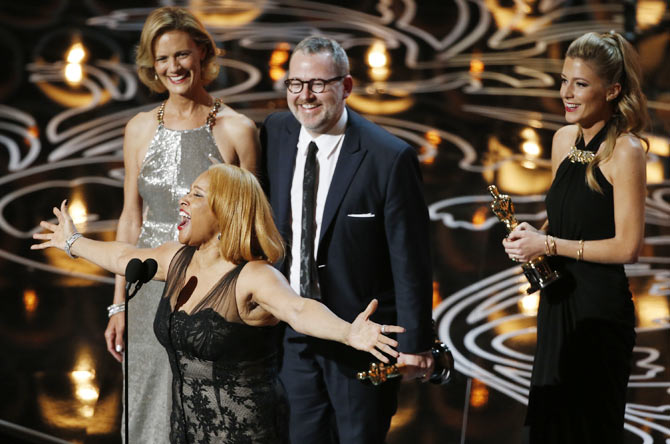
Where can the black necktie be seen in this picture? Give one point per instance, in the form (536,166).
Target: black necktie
(308,275)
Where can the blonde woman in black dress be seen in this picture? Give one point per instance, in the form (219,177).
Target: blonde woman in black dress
(595,210)
(219,312)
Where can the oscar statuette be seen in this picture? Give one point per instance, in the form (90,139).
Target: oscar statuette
(537,271)
(444,365)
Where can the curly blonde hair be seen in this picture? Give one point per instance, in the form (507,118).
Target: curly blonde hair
(615,61)
(170,18)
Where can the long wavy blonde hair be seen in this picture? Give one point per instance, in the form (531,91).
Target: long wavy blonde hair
(615,61)
(248,231)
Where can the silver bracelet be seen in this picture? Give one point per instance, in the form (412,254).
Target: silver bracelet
(115,308)
(70,241)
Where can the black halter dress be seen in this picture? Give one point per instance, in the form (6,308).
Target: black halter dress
(585,321)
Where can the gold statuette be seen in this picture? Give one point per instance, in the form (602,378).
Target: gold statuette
(379,373)
(537,271)
(442,372)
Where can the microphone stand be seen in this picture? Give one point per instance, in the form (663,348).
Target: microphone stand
(138,273)
(129,295)
(125,366)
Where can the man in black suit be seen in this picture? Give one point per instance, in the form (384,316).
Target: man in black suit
(347,197)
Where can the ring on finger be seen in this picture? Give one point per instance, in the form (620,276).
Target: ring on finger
(383,329)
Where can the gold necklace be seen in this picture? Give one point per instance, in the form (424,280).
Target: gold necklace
(211,117)
(580,156)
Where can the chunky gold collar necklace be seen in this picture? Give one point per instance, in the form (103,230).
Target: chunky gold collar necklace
(580,156)
(580,153)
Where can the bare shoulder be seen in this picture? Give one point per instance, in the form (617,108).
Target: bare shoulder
(627,161)
(563,139)
(257,272)
(237,138)
(234,124)
(257,281)
(141,128)
(629,152)
(142,122)
(629,147)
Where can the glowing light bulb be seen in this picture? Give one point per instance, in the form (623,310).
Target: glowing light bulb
(476,67)
(433,137)
(78,210)
(531,148)
(377,56)
(74,58)
(73,73)
(76,54)
(529,303)
(529,134)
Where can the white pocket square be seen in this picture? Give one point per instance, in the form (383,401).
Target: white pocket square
(361,215)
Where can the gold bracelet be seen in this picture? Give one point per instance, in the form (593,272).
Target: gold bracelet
(552,246)
(580,252)
(546,245)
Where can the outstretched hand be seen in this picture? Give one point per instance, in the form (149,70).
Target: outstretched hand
(368,336)
(59,232)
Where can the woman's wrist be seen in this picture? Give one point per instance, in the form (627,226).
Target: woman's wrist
(70,241)
(115,309)
(550,248)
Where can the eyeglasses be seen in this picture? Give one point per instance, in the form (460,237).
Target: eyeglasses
(317,86)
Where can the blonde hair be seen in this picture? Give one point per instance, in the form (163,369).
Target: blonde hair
(615,61)
(248,231)
(170,18)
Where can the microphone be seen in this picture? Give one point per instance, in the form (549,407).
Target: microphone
(134,272)
(150,269)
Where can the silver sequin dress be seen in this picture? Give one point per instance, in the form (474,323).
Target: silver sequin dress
(174,159)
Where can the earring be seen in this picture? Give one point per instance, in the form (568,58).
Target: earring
(219,236)
(155,76)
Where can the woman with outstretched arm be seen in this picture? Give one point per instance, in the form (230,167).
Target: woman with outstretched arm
(223,299)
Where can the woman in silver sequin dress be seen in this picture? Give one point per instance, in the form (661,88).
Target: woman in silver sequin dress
(164,150)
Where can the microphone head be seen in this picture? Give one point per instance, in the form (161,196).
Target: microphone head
(150,269)
(134,270)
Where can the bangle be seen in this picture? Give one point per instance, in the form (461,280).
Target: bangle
(550,244)
(115,308)
(580,252)
(68,243)
(546,245)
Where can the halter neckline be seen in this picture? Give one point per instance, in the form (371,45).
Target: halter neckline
(211,117)
(585,153)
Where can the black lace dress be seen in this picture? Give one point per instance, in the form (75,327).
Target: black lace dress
(585,322)
(224,374)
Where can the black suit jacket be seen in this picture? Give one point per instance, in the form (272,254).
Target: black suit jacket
(359,258)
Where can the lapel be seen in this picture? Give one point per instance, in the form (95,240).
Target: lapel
(347,164)
(288,145)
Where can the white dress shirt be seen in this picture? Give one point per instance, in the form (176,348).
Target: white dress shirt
(329,151)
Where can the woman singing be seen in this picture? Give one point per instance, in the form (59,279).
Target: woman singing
(218,314)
